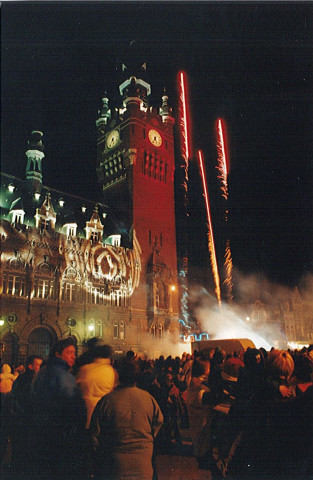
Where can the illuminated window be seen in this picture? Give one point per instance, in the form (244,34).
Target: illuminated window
(71,230)
(119,330)
(122,330)
(94,236)
(18,216)
(157,330)
(44,224)
(43,288)
(157,298)
(160,331)
(14,285)
(68,293)
(115,240)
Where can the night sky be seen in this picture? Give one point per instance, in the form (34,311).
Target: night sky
(249,63)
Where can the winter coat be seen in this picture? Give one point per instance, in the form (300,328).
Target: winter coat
(95,380)
(200,404)
(6,379)
(123,427)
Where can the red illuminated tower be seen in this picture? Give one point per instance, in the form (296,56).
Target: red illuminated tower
(136,170)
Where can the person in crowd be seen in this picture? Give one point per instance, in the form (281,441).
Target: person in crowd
(273,438)
(59,417)
(227,421)
(21,414)
(303,373)
(7,378)
(200,403)
(97,378)
(88,355)
(123,427)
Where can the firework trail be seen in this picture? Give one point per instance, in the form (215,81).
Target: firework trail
(185,153)
(222,176)
(222,159)
(211,244)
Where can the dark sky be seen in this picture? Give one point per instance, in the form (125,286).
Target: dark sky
(250,63)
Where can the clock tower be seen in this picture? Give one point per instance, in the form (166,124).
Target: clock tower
(135,158)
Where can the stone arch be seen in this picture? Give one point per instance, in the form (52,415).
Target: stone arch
(41,340)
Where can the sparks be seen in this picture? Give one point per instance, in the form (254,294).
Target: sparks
(211,244)
(185,153)
(222,159)
(184,119)
(222,162)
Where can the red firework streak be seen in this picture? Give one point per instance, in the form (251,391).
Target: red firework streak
(184,123)
(185,152)
(211,244)
(223,173)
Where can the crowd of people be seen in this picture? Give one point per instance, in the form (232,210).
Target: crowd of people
(249,414)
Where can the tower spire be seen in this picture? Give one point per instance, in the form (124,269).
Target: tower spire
(165,110)
(104,112)
(34,155)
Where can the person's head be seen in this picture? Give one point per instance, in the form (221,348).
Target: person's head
(253,359)
(304,367)
(200,368)
(231,368)
(103,351)
(66,350)
(130,354)
(280,364)
(92,343)
(34,362)
(128,373)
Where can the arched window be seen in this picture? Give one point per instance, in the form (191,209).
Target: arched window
(40,341)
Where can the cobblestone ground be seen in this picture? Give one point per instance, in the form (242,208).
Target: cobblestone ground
(180,464)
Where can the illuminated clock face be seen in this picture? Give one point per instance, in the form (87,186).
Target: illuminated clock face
(112,139)
(155,138)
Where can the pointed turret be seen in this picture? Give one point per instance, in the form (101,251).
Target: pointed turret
(165,110)
(104,112)
(94,228)
(34,155)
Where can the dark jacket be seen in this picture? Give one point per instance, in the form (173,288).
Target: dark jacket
(59,419)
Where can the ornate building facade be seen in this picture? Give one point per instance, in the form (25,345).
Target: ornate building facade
(70,266)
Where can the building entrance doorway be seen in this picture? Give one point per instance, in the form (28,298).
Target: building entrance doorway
(40,341)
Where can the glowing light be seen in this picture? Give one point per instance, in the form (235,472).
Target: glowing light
(211,244)
(297,345)
(173,288)
(1,322)
(193,337)
(184,115)
(91,328)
